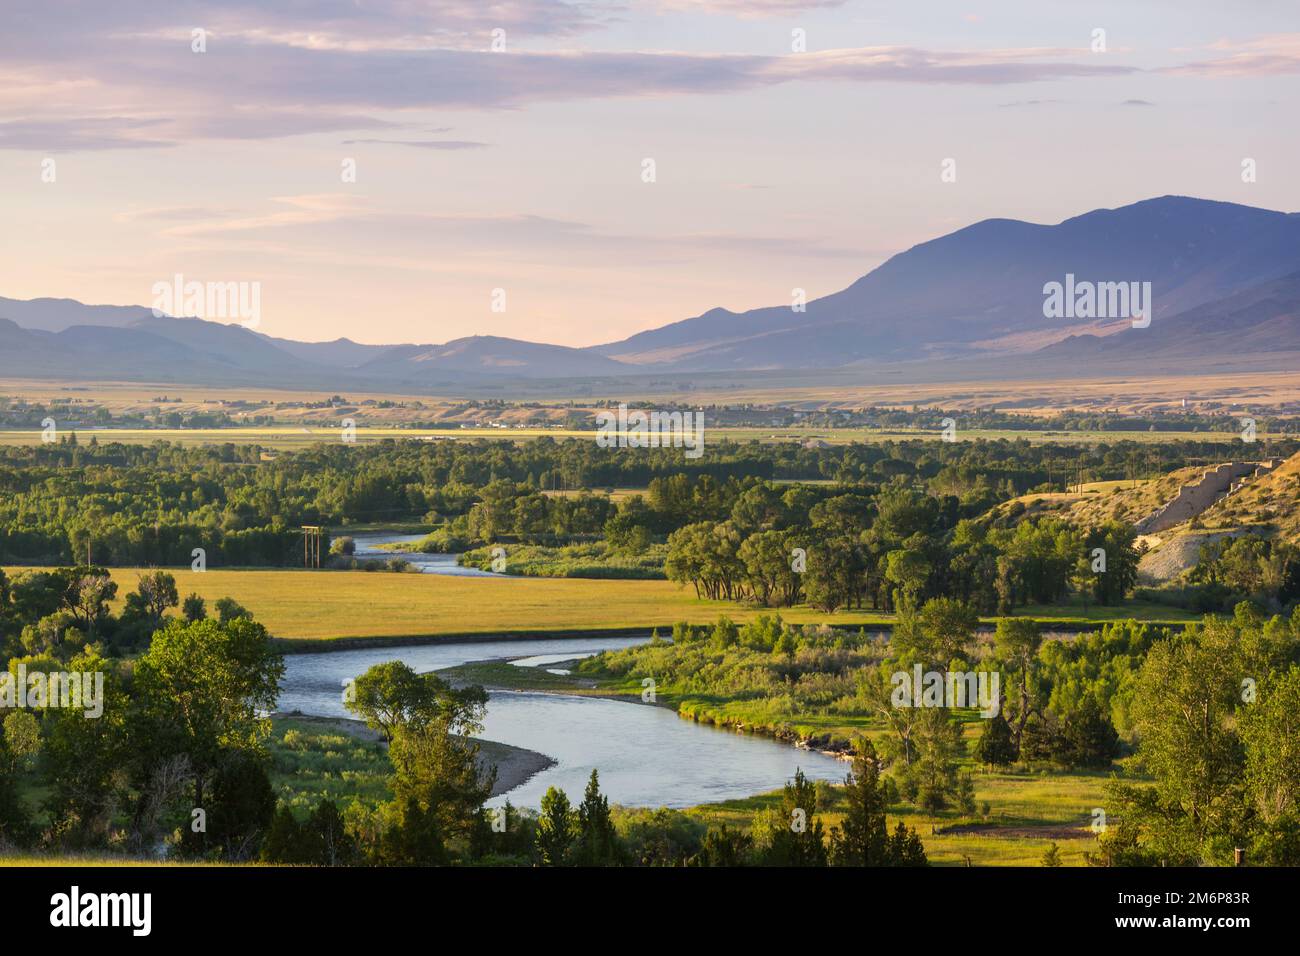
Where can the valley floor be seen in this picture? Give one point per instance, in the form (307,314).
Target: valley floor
(317,610)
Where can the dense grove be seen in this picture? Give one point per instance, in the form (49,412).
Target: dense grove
(1200,724)
(118,505)
(896,547)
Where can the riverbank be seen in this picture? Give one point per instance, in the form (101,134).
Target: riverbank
(515,766)
(504,675)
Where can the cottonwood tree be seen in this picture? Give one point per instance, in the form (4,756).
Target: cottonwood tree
(1015,643)
(1223,761)
(201,690)
(392,695)
(86,761)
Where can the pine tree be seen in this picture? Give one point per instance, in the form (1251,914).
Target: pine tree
(906,848)
(597,844)
(995,747)
(283,842)
(799,839)
(862,837)
(555,828)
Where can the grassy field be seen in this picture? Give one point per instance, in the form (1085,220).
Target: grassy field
(1028,812)
(332,605)
(287,438)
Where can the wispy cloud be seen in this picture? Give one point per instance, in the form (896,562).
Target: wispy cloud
(447,144)
(1272,55)
(91,80)
(745,9)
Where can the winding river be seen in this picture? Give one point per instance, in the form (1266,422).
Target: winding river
(646,755)
(368,550)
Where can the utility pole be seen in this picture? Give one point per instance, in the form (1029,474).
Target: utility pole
(311,536)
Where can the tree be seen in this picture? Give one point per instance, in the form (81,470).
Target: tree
(392,695)
(934,773)
(240,810)
(797,836)
(1270,732)
(14,822)
(327,840)
(875,687)
(410,836)
(833,578)
(22,740)
(285,841)
(995,747)
(906,848)
(556,828)
(948,626)
(723,846)
(1016,642)
(766,556)
(1192,716)
(201,689)
(194,608)
(437,770)
(1115,539)
(157,591)
(87,592)
(908,572)
(228,609)
(597,841)
(1090,739)
(862,838)
(1052,856)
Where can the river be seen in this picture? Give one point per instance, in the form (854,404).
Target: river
(646,755)
(368,550)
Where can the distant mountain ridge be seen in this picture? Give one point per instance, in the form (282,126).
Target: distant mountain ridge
(975,290)
(1225,281)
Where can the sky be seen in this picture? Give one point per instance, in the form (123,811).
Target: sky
(405,171)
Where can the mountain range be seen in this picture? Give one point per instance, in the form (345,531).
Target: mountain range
(1224,281)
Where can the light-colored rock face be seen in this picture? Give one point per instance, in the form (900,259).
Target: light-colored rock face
(1196,497)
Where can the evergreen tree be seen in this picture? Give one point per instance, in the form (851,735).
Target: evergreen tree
(597,841)
(906,848)
(995,747)
(723,846)
(798,838)
(329,842)
(1092,740)
(284,841)
(862,838)
(556,829)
